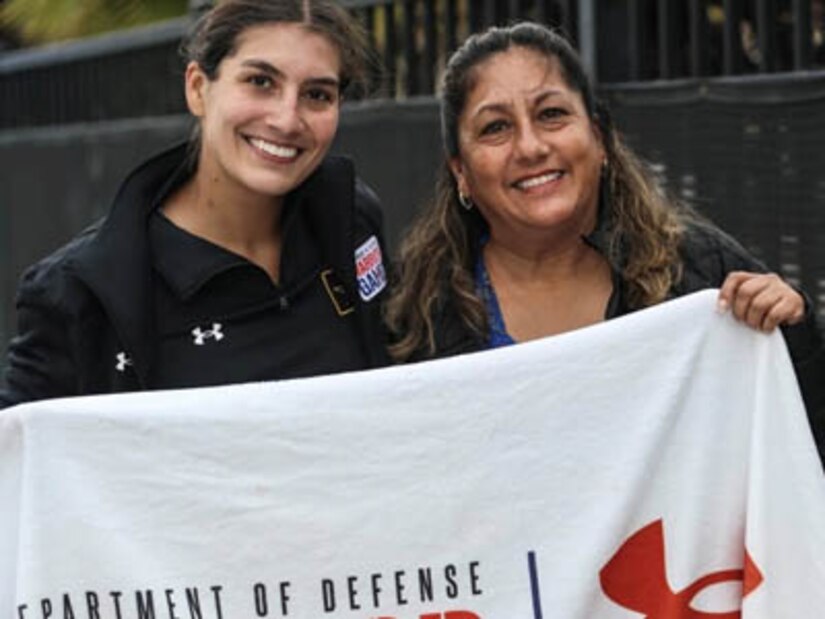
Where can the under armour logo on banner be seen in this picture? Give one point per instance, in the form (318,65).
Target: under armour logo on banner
(636,578)
(200,336)
(122,361)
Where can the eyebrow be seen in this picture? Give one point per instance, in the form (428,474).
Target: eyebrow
(503,107)
(263,65)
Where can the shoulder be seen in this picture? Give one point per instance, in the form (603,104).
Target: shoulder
(368,210)
(708,254)
(51,281)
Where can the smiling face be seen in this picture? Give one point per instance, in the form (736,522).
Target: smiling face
(529,154)
(270,115)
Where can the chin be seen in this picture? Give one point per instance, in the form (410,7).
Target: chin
(552,217)
(273,187)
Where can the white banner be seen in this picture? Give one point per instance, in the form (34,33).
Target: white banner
(658,466)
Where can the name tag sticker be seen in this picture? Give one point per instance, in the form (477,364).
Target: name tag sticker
(372,278)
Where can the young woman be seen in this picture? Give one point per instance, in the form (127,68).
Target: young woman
(544,222)
(248,254)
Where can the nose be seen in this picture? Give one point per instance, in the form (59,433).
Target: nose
(530,143)
(284,114)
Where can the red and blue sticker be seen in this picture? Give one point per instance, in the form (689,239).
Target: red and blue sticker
(369,267)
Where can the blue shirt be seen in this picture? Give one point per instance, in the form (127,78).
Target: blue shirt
(498,331)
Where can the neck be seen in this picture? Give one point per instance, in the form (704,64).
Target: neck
(549,290)
(547,262)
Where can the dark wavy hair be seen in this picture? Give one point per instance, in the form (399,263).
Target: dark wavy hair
(436,259)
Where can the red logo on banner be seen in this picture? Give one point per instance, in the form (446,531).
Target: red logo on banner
(636,578)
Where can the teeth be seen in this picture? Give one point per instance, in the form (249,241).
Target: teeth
(286,152)
(538,180)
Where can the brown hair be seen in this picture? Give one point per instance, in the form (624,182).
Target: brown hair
(436,258)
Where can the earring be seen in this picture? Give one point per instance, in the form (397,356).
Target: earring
(465,201)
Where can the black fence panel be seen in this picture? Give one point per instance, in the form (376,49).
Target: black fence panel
(411,39)
(663,39)
(139,73)
(748,153)
(125,75)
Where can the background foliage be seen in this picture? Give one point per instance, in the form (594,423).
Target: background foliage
(45,21)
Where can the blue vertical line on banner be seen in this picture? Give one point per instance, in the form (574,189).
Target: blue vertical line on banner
(534,584)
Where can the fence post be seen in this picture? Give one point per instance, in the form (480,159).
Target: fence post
(587,36)
(731,39)
(766,34)
(698,37)
(801,35)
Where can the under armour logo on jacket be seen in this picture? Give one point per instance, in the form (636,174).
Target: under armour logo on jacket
(636,578)
(200,336)
(122,361)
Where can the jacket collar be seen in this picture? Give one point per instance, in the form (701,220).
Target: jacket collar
(116,266)
(185,261)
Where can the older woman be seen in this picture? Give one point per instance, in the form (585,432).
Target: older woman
(545,222)
(236,257)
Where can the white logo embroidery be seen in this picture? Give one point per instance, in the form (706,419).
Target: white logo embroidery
(369,267)
(122,361)
(200,336)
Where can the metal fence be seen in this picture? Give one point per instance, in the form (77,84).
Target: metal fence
(696,38)
(124,75)
(138,73)
(412,39)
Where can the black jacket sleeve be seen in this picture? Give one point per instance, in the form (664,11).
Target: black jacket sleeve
(40,361)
